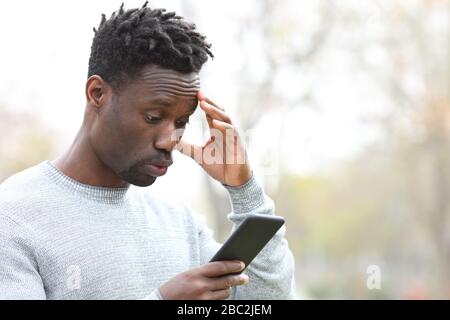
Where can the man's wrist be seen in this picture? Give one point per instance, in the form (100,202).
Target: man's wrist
(247,197)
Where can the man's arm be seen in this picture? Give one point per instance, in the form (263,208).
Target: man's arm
(19,276)
(271,273)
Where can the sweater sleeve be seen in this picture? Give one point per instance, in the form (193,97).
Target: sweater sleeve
(271,273)
(19,276)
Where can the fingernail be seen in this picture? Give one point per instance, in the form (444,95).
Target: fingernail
(243,279)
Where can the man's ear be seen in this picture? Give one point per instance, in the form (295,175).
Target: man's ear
(97,91)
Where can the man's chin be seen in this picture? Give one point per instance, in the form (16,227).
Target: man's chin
(143,181)
(138,179)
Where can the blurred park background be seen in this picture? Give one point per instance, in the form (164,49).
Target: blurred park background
(345,107)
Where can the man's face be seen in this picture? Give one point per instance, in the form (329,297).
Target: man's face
(134,132)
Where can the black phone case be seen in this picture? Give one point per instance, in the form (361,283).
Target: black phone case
(249,238)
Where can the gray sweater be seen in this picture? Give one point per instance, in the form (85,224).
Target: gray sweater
(61,239)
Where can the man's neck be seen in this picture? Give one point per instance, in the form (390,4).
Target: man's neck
(81,163)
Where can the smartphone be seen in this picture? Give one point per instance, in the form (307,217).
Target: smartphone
(249,238)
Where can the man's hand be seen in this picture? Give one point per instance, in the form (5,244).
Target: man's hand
(211,281)
(223,156)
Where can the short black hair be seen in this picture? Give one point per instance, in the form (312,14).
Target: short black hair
(132,39)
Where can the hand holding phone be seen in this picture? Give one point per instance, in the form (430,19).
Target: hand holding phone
(215,279)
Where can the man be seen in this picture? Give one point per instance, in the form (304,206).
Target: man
(81,226)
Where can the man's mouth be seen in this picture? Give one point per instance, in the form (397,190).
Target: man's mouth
(157,169)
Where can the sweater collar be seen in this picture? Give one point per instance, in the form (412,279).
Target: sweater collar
(96,193)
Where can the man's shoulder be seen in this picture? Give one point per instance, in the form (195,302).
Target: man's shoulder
(22,189)
(24,180)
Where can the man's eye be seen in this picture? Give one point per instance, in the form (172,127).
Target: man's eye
(152,119)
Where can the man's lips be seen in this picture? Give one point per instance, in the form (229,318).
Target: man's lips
(158,169)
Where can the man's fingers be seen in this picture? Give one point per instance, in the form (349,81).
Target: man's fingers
(214,112)
(225,282)
(234,144)
(221,124)
(213,104)
(220,268)
(220,294)
(201,97)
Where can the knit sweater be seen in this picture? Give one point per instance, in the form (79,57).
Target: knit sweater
(61,239)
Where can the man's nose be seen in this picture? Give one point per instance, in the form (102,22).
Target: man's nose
(168,138)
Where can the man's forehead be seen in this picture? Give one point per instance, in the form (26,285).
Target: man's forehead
(158,79)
